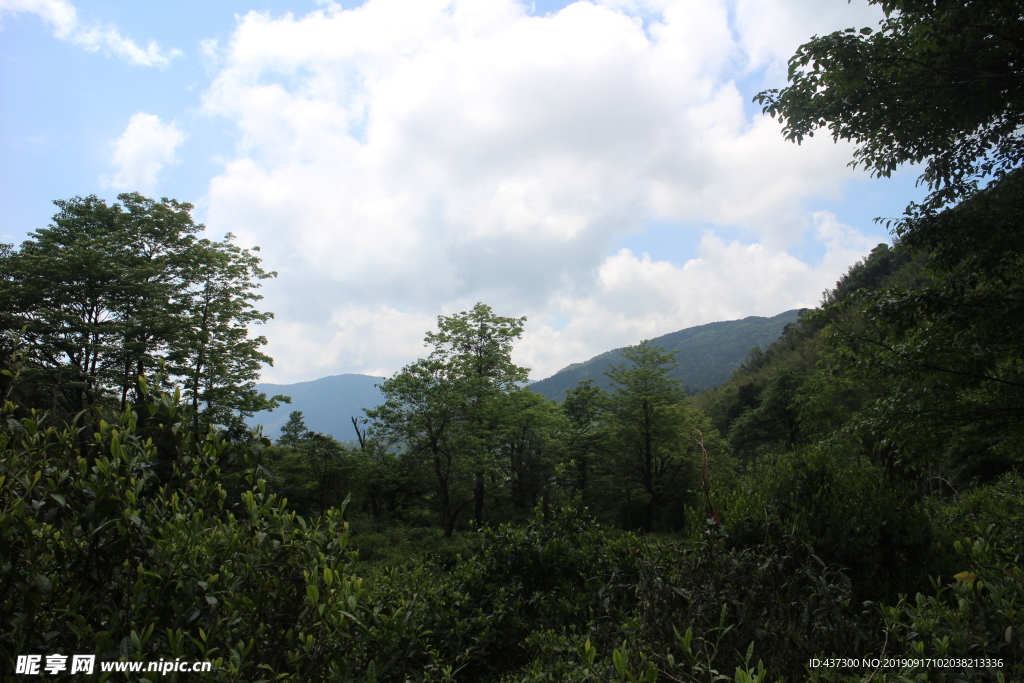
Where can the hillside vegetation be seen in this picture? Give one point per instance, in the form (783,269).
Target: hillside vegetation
(706,355)
(847,506)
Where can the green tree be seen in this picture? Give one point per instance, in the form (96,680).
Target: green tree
(776,419)
(213,353)
(528,431)
(646,424)
(446,409)
(584,433)
(940,84)
(106,291)
(294,430)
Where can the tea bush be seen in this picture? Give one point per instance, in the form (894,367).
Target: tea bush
(98,557)
(846,510)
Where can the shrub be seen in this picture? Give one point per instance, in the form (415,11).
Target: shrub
(100,558)
(845,509)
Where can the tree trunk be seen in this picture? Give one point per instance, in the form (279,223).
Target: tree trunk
(478,500)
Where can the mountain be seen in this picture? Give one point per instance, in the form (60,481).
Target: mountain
(327,404)
(706,354)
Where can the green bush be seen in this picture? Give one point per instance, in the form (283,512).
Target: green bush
(699,614)
(845,508)
(994,512)
(563,573)
(99,557)
(119,537)
(977,617)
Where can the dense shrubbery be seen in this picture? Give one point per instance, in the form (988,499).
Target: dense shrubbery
(846,509)
(101,556)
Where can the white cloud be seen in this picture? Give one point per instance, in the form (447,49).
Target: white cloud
(144,148)
(63,18)
(637,297)
(410,157)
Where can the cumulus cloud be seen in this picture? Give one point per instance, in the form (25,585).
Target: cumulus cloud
(638,297)
(63,19)
(144,148)
(409,157)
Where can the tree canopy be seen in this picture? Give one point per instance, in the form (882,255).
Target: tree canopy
(445,409)
(942,83)
(107,292)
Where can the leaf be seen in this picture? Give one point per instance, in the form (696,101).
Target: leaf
(966,577)
(619,661)
(43,584)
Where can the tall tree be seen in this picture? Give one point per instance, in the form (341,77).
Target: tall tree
(527,434)
(214,353)
(647,422)
(941,84)
(446,409)
(106,291)
(584,433)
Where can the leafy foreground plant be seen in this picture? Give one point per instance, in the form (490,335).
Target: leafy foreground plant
(100,555)
(97,558)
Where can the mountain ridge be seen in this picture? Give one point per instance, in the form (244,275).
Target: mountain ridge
(706,354)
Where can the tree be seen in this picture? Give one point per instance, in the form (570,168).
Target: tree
(317,465)
(214,353)
(293,431)
(776,419)
(942,83)
(446,409)
(107,291)
(584,435)
(527,433)
(936,362)
(646,423)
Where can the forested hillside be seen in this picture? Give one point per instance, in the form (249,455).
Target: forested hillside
(847,506)
(706,355)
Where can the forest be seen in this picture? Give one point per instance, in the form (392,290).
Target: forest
(847,506)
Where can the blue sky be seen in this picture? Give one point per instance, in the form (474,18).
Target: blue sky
(596,166)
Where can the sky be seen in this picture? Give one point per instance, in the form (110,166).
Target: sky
(596,166)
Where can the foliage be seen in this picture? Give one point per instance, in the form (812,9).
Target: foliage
(993,512)
(106,291)
(445,409)
(322,467)
(939,84)
(101,558)
(844,508)
(775,421)
(934,358)
(661,611)
(107,560)
(583,432)
(645,425)
(978,617)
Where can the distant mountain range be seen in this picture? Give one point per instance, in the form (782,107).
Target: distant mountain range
(706,354)
(327,404)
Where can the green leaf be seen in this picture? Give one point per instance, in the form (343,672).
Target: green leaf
(43,584)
